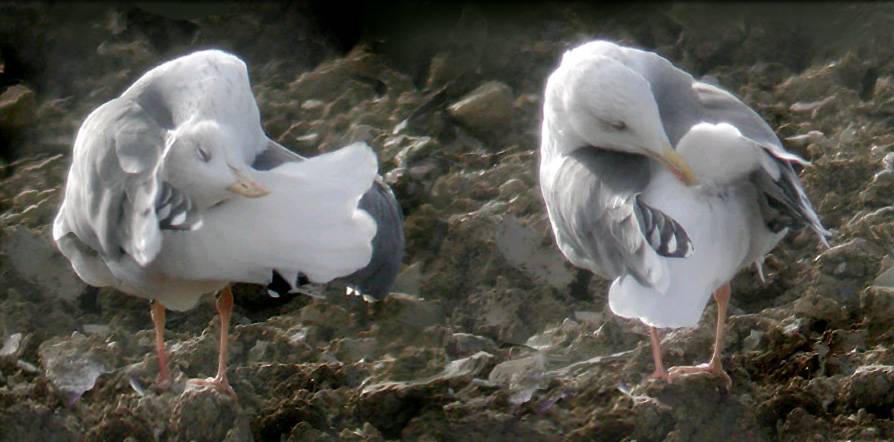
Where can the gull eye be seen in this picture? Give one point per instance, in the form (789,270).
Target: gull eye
(618,125)
(203,154)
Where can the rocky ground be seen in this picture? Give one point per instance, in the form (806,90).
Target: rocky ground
(491,335)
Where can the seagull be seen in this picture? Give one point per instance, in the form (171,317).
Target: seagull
(175,191)
(666,185)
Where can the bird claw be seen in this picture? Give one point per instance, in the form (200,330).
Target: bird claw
(713,369)
(220,385)
(162,383)
(658,374)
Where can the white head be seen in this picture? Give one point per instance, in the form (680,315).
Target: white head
(600,102)
(201,161)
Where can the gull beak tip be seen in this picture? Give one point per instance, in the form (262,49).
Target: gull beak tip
(678,166)
(248,188)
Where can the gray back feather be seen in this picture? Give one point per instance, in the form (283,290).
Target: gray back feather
(684,102)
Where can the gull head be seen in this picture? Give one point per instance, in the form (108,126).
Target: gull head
(202,161)
(598,101)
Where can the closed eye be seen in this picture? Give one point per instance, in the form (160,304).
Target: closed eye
(203,154)
(613,125)
(617,125)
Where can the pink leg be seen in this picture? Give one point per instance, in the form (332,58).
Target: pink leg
(158,318)
(660,372)
(224,310)
(714,366)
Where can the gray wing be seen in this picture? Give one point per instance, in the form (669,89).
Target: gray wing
(684,102)
(377,278)
(599,217)
(111,186)
(114,202)
(274,155)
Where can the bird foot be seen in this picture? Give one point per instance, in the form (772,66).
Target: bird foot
(658,374)
(162,383)
(710,368)
(218,384)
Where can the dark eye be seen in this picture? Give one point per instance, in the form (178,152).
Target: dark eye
(203,154)
(617,125)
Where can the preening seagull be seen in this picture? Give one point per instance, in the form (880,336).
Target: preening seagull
(175,191)
(664,184)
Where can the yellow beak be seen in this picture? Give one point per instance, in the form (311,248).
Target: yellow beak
(247,187)
(677,165)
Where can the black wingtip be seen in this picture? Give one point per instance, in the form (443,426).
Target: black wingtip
(666,236)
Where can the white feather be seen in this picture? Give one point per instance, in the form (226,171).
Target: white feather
(721,232)
(309,223)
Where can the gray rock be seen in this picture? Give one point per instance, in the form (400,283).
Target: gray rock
(39,262)
(871,387)
(877,304)
(74,363)
(465,344)
(411,312)
(523,376)
(814,137)
(462,371)
(308,141)
(885,278)
(409,279)
(13,346)
(852,259)
(824,389)
(512,188)
(390,405)
(350,350)
(313,109)
(820,307)
(444,67)
(201,413)
(18,106)
(417,150)
(523,248)
(486,111)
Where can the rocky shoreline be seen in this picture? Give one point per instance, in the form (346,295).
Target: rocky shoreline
(492,336)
